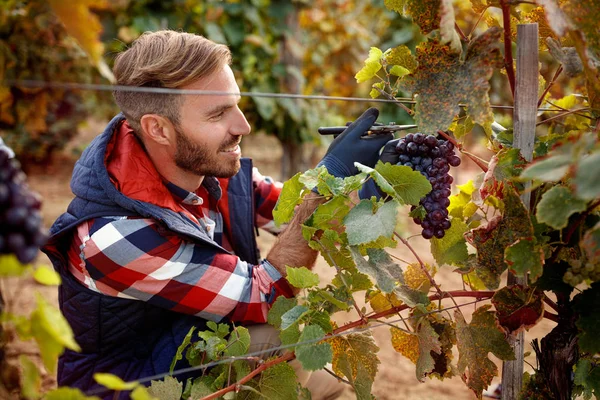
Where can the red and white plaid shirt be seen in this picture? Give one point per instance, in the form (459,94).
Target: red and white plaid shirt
(138,258)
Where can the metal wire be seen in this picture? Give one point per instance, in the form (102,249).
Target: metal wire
(140,89)
(272,350)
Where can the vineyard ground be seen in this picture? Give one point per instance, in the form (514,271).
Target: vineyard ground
(396,377)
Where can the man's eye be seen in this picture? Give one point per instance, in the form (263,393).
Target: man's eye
(218,116)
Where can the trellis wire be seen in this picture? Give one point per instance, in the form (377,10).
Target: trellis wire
(142,89)
(283,347)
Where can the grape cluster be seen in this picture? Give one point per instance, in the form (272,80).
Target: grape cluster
(432,157)
(21,230)
(580,272)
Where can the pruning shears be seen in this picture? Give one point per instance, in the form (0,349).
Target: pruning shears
(374,130)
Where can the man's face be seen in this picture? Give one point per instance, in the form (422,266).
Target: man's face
(211,128)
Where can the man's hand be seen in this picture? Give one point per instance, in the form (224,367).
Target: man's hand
(350,147)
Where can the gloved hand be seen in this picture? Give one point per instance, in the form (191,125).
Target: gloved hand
(350,147)
(388,155)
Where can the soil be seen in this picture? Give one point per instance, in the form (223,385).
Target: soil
(396,376)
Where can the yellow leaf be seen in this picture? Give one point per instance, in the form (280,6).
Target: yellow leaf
(46,276)
(10,266)
(85,27)
(406,344)
(382,302)
(416,279)
(6,102)
(114,382)
(30,378)
(372,65)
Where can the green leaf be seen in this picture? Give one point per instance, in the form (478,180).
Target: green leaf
(278,308)
(10,266)
(320,318)
(265,106)
(51,332)
(167,389)
(504,166)
(374,93)
(395,5)
(329,214)
(380,266)
(292,316)
(587,375)
(302,277)
(372,65)
(30,378)
(399,71)
(238,343)
(452,248)
(443,81)
(525,256)
(401,56)
(586,304)
(67,393)
(557,205)
(141,393)
(549,169)
(587,184)
(429,344)
(313,356)
(179,354)
(324,295)
(518,307)
(590,244)
(288,200)
(46,276)
(408,186)
(354,356)
(364,226)
(474,342)
(278,383)
(113,382)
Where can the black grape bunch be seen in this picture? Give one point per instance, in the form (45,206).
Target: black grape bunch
(432,157)
(21,231)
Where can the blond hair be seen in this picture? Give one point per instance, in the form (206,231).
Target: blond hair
(163,59)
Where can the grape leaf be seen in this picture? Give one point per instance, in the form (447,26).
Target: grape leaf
(313,356)
(448,32)
(395,5)
(587,184)
(278,382)
(429,344)
(364,226)
(524,256)
(557,205)
(518,307)
(325,295)
(335,255)
(374,93)
(10,266)
(279,308)
(504,166)
(381,302)
(452,248)
(405,343)
(586,304)
(557,19)
(113,382)
(407,186)
(51,331)
(380,266)
(67,393)
(442,81)
(590,244)
(292,316)
(474,342)
(425,13)
(372,65)
(320,318)
(46,276)
(585,14)
(141,393)
(302,277)
(288,199)
(549,169)
(354,356)
(167,389)
(329,214)
(587,375)
(492,239)
(401,56)
(29,378)
(238,343)
(416,279)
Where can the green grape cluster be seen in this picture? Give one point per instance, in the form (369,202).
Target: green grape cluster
(580,272)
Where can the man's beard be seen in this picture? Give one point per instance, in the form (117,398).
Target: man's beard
(194,158)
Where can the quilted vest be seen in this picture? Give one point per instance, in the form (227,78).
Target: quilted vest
(129,338)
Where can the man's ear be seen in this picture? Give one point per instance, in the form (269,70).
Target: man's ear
(157,129)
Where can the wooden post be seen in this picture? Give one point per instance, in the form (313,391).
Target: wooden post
(524,116)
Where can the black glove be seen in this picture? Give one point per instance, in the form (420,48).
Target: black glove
(350,147)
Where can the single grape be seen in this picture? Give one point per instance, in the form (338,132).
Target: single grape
(427,233)
(454,161)
(418,138)
(431,141)
(409,137)
(412,148)
(401,147)
(439,162)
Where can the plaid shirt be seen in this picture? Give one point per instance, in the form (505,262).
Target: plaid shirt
(138,258)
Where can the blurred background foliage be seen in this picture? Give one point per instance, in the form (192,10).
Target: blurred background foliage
(279,46)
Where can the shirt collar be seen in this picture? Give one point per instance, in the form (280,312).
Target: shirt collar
(210,183)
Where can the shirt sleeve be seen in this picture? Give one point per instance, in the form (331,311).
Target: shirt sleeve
(266,193)
(140,259)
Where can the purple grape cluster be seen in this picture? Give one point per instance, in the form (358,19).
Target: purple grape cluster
(21,229)
(432,157)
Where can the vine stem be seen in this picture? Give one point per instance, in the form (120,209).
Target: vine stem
(480,163)
(424,269)
(580,220)
(556,74)
(399,104)
(550,316)
(551,303)
(460,32)
(575,111)
(479,295)
(508,58)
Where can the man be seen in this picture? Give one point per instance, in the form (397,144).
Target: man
(160,236)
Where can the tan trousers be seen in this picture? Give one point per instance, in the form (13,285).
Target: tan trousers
(321,384)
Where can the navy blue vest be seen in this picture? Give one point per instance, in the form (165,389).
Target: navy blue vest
(129,338)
